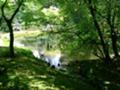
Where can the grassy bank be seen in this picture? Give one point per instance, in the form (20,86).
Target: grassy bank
(24,72)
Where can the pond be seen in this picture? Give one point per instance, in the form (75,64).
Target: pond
(38,44)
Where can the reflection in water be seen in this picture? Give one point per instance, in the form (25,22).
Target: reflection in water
(36,54)
(18,44)
(1,42)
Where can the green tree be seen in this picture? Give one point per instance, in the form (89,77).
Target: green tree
(107,13)
(8,21)
(105,47)
(100,20)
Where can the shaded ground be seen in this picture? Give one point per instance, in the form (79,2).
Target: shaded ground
(24,72)
(97,74)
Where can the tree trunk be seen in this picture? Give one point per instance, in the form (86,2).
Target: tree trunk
(113,34)
(9,24)
(11,44)
(104,45)
(114,42)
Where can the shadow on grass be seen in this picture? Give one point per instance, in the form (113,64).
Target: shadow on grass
(97,74)
(24,72)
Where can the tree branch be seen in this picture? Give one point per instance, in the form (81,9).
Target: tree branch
(104,17)
(91,7)
(17,9)
(0,20)
(2,10)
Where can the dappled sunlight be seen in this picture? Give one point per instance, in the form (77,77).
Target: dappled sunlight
(42,85)
(27,73)
(35,80)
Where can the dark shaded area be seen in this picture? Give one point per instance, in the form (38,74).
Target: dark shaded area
(97,74)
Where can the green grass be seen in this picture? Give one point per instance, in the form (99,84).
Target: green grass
(24,72)
(22,36)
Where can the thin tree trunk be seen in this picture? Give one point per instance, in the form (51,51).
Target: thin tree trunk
(113,34)
(114,42)
(9,24)
(104,45)
(11,44)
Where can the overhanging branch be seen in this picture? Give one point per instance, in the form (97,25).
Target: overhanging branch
(17,9)
(2,10)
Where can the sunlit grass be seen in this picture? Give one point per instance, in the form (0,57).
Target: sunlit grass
(24,72)
(27,33)
(19,34)
(24,36)
(52,52)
